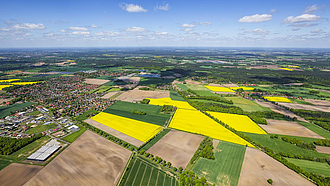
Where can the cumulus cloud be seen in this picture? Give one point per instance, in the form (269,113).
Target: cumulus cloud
(258,31)
(255,18)
(186,25)
(78,28)
(317,31)
(29,26)
(303,24)
(132,7)
(62,31)
(94,26)
(80,33)
(204,23)
(161,33)
(162,7)
(311,9)
(302,18)
(135,29)
(106,33)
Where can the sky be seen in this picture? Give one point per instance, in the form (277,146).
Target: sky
(208,23)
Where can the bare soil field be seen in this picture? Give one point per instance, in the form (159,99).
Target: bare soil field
(115,133)
(258,167)
(96,81)
(290,128)
(189,81)
(280,110)
(18,174)
(215,85)
(230,85)
(109,95)
(306,107)
(138,95)
(90,160)
(176,147)
(325,150)
(224,92)
(318,102)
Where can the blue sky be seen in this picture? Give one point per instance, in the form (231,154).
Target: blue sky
(111,23)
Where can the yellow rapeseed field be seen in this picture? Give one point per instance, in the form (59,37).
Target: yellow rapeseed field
(277,99)
(169,101)
(239,122)
(137,129)
(9,80)
(197,122)
(244,88)
(4,86)
(24,83)
(287,69)
(219,89)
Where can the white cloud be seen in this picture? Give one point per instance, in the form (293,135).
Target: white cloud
(258,31)
(94,26)
(80,33)
(296,29)
(186,25)
(311,9)
(132,8)
(255,18)
(62,31)
(161,33)
(204,23)
(106,33)
(317,31)
(29,26)
(4,29)
(303,24)
(135,29)
(302,18)
(162,7)
(78,28)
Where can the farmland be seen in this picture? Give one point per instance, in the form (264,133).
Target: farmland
(219,89)
(138,95)
(18,174)
(169,101)
(155,139)
(321,108)
(137,129)
(238,122)
(8,110)
(71,137)
(226,168)
(311,166)
(176,147)
(278,99)
(246,104)
(153,114)
(4,86)
(89,160)
(258,167)
(190,120)
(176,96)
(95,81)
(142,172)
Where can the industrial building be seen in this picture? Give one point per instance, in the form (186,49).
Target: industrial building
(45,151)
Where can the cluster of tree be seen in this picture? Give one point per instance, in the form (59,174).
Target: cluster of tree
(204,150)
(189,178)
(322,142)
(144,88)
(139,112)
(145,101)
(167,108)
(212,98)
(108,136)
(317,117)
(299,143)
(10,145)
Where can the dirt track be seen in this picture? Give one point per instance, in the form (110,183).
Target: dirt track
(325,150)
(176,147)
(109,95)
(95,81)
(307,107)
(115,133)
(138,95)
(280,110)
(258,167)
(290,128)
(90,160)
(18,174)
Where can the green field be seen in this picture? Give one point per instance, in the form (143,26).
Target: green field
(176,96)
(105,77)
(246,104)
(182,86)
(70,138)
(278,145)
(312,166)
(103,88)
(299,101)
(315,128)
(154,81)
(85,115)
(125,109)
(196,87)
(143,173)
(4,163)
(155,139)
(205,93)
(41,128)
(226,168)
(7,110)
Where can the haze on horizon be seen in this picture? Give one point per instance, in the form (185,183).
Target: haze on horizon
(106,23)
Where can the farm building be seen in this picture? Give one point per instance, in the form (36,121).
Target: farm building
(45,151)
(73,128)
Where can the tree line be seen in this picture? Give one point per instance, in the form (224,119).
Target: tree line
(10,145)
